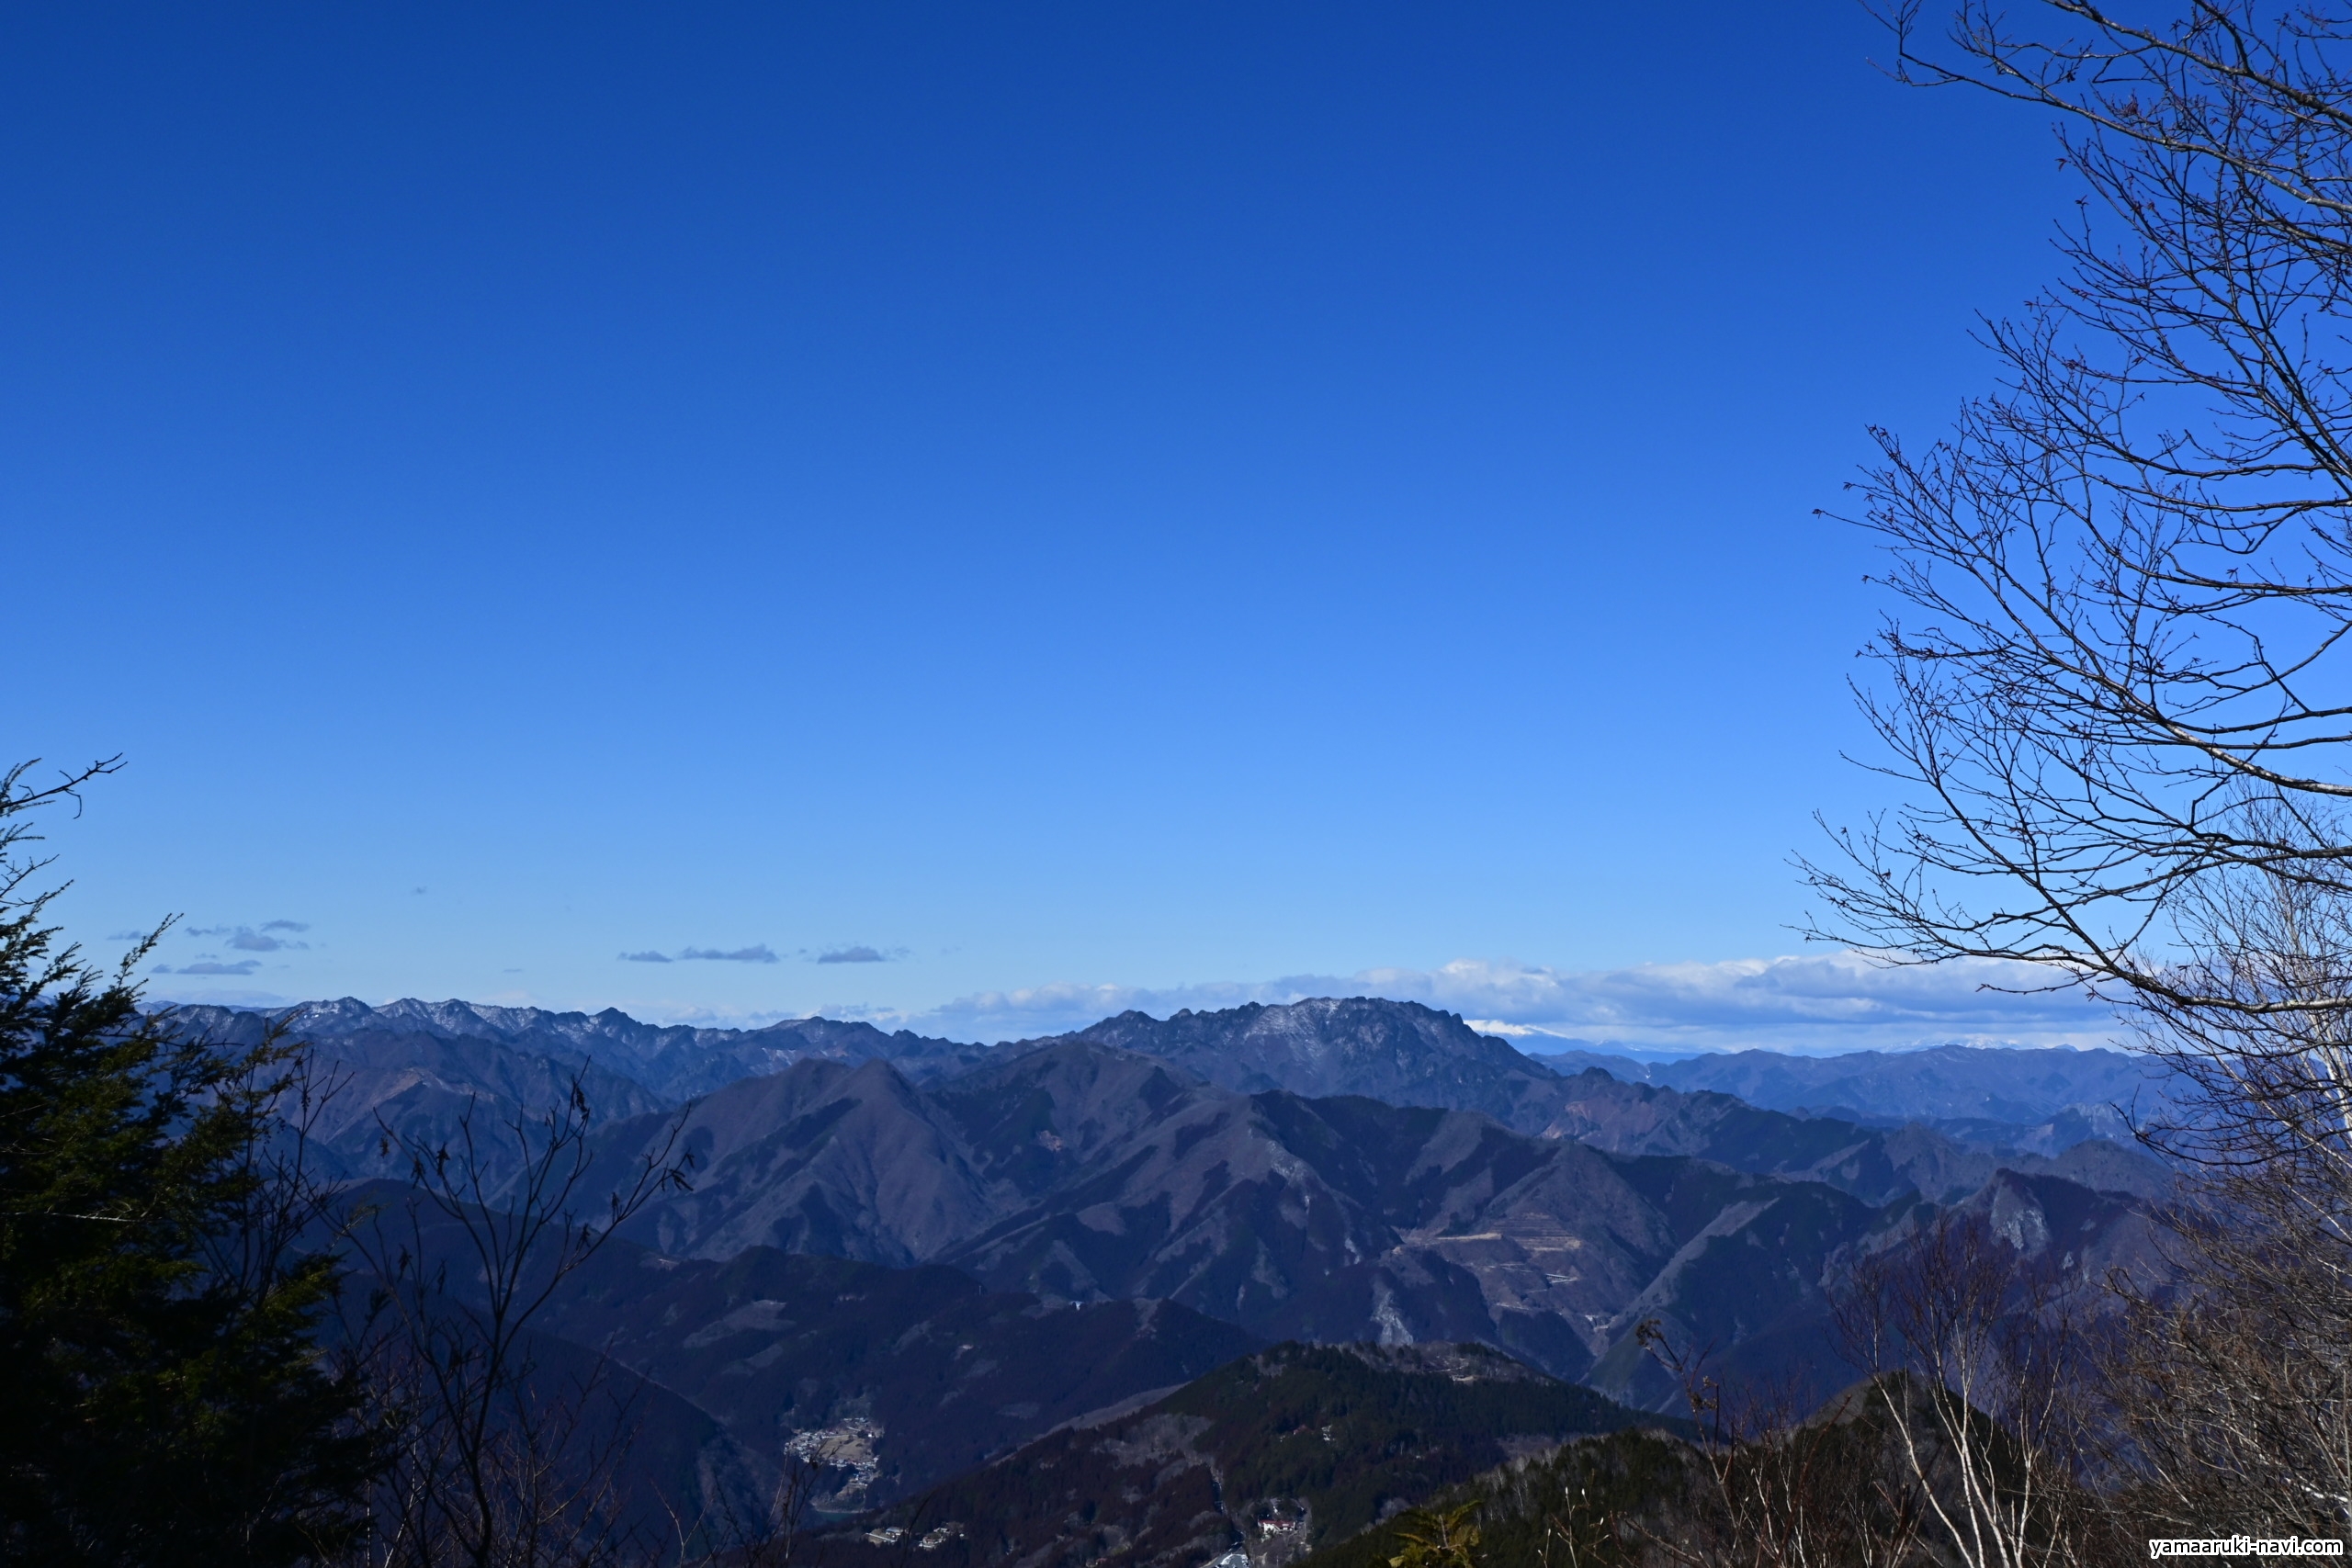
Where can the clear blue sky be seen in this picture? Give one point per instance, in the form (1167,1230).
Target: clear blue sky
(1136,496)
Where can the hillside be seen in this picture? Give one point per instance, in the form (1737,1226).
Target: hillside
(1082,1173)
(1648,1499)
(922,1370)
(1758,1111)
(1283,1452)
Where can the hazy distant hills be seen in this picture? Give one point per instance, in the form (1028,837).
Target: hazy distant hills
(2038,1101)
(2000,1085)
(670,1062)
(961,1273)
(2041,1100)
(417,1067)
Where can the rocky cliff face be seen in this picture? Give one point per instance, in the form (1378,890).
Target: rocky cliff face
(1399,1052)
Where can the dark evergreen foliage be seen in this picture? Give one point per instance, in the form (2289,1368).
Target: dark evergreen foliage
(164,1399)
(1319,1440)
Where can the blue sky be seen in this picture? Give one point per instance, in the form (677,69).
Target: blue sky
(934,506)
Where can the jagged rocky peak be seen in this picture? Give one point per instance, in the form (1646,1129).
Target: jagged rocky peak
(1399,1052)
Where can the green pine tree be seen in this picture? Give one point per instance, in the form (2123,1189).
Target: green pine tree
(1437,1538)
(163,1396)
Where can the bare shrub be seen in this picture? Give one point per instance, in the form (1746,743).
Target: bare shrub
(509,1448)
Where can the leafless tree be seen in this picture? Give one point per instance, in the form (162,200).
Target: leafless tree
(506,1457)
(2128,568)
(1587,1531)
(1980,1373)
(2238,1378)
(2236,1394)
(2115,688)
(1787,1493)
(725,1533)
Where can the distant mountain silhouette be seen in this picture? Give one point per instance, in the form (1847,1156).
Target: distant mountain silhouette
(417,1067)
(673,1062)
(1402,1053)
(2036,1102)
(2040,1101)
(415,1062)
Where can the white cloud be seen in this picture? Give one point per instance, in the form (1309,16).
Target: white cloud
(706,1015)
(1826,1002)
(1809,1004)
(187,995)
(246,938)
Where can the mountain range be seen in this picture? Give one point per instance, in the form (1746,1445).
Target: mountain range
(2042,1100)
(915,1255)
(1081,1172)
(414,1066)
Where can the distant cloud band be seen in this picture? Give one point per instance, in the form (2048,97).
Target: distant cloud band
(1811,1003)
(246,939)
(1838,1001)
(757,954)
